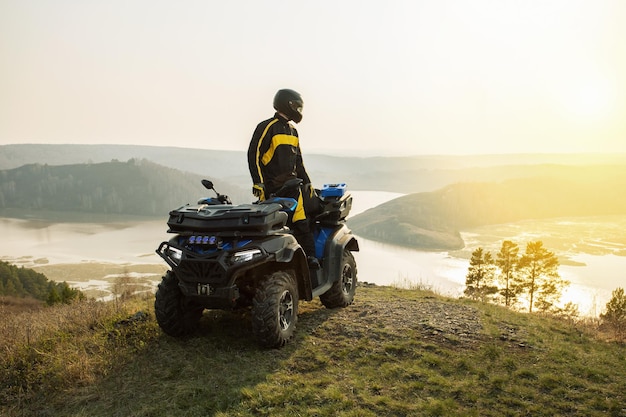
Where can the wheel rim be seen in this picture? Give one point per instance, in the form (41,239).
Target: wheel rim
(347,279)
(285,310)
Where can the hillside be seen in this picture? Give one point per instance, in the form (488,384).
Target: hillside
(392,353)
(18,283)
(432,220)
(136,188)
(407,174)
(428,220)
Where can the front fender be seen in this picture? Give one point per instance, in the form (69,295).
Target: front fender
(288,251)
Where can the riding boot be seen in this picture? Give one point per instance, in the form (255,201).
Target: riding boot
(304,236)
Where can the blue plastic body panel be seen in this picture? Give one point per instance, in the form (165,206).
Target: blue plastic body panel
(333,190)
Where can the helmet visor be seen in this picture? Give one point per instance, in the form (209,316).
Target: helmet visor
(295,107)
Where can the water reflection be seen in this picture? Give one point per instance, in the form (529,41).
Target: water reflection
(385,264)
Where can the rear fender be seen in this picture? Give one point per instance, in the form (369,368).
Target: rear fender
(341,240)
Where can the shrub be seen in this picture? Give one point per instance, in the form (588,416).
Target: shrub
(615,316)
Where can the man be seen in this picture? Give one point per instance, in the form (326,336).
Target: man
(274,157)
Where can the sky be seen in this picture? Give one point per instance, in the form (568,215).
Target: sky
(378,78)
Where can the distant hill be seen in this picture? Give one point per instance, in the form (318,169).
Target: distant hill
(432,220)
(135,187)
(409,174)
(208,163)
(452,197)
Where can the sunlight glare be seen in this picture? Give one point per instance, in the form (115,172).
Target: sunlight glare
(589,102)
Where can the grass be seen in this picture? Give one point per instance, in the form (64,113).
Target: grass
(395,352)
(15,305)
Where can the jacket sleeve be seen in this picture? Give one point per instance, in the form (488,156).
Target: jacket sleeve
(300,170)
(254,158)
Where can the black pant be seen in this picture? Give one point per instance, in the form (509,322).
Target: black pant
(299,223)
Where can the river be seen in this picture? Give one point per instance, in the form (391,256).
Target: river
(595,265)
(591,251)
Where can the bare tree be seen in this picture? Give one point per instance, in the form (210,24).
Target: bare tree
(615,315)
(125,286)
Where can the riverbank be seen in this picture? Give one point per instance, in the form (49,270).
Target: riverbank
(93,255)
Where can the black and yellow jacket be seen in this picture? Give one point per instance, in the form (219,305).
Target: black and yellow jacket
(274,154)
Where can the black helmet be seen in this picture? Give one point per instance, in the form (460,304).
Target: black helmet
(289,103)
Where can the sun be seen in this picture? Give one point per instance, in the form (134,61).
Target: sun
(589,102)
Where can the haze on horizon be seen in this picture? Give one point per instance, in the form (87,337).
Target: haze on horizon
(405,77)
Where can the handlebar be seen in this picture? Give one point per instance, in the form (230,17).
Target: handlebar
(222,198)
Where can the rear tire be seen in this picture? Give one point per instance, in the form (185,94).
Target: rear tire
(275,309)
(174,316)
(341,294)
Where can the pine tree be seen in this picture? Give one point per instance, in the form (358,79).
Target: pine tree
(480,276)
(53,296)
(507,260)
(66,293)
(10,276)
(540,277)
(13,285)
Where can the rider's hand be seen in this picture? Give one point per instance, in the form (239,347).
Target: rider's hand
(258,190)
(308,189)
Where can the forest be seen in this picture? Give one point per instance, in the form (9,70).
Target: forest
(136,187)
(24,282)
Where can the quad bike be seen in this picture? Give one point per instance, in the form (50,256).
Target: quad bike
(226,256)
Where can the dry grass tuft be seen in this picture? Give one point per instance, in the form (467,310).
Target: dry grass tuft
(64,345)
(15,305)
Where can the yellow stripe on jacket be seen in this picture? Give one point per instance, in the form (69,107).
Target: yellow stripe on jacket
(278,140)
(258,148)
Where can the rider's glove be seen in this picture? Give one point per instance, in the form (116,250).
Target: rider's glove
(258,190)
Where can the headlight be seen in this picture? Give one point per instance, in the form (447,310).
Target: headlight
(245,255)
(174,254)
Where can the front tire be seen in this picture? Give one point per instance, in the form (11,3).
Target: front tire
(275,309)
(174,316)
(341,294)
